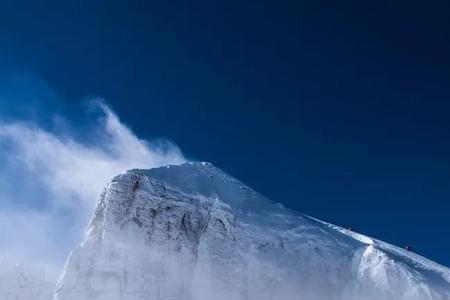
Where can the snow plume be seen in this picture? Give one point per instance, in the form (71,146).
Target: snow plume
(49,183)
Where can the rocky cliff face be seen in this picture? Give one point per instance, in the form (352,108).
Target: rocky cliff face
(193,232)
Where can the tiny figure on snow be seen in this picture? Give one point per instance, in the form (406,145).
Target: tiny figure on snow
(135,185)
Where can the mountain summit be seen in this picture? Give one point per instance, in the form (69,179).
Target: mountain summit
(193,232)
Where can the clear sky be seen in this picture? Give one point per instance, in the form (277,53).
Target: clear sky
(338,109)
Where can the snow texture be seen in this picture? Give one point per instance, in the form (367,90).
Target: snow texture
(192,232)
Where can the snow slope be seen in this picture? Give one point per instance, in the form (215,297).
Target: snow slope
(194,232)
(22,283)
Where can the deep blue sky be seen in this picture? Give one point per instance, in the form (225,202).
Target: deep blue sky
(338,109)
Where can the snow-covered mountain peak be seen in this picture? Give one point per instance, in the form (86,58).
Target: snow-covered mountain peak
(193,232)
(205,179)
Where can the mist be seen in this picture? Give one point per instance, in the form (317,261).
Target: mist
(50,180)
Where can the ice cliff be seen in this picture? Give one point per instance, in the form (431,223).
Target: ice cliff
(194,232)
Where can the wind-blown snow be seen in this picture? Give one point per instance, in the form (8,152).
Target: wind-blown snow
(49,182)
(194,232)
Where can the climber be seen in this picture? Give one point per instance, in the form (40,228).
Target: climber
(408,248)
(135,185)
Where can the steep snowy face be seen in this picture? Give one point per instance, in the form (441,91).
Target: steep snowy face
(194,232)
(22,283)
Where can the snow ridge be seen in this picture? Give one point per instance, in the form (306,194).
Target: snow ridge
(194,232)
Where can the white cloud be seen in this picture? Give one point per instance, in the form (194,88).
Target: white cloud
(50,182)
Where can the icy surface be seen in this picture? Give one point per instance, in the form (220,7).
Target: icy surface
(22,283)
(193,232)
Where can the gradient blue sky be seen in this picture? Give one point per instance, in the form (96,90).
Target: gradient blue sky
(338,109)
